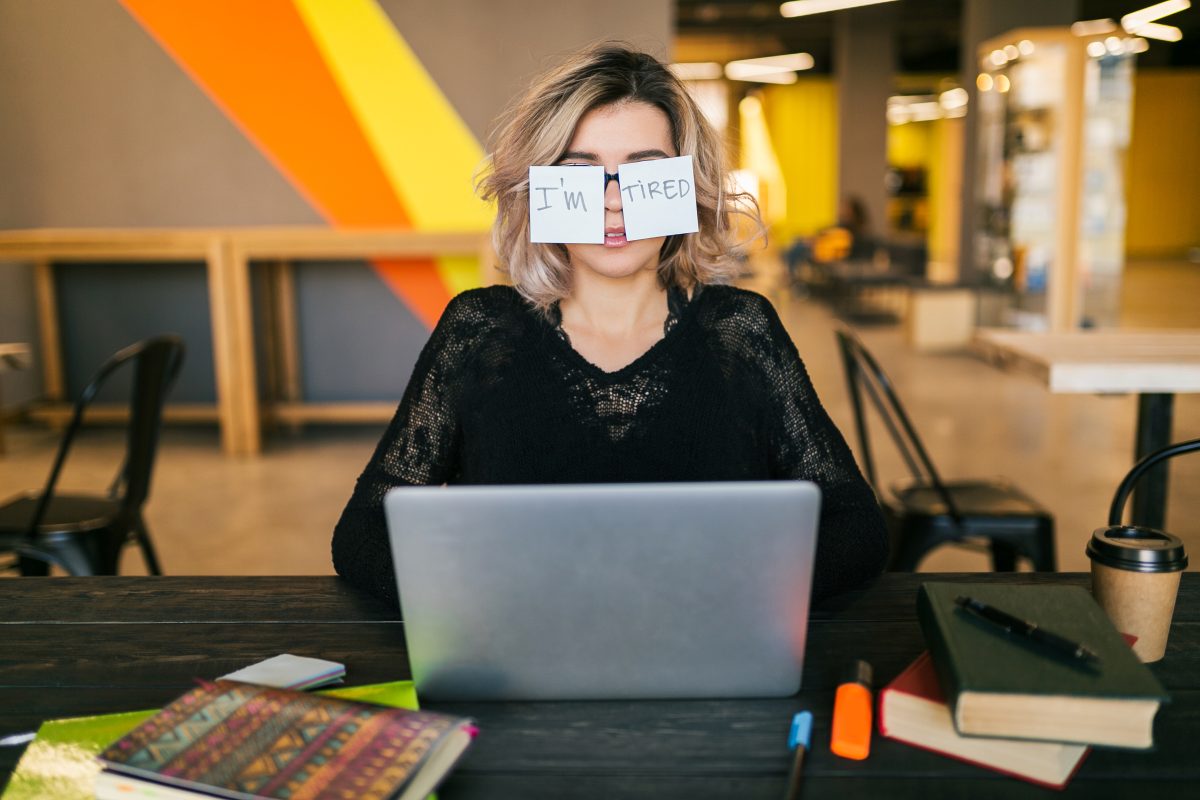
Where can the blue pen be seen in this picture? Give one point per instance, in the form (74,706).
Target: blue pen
(798,739)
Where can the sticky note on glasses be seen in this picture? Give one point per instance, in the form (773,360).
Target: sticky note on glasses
(658,198)
(566,205)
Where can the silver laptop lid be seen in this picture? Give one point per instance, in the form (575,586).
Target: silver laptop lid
(605,591)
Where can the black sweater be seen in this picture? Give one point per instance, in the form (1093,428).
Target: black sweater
(499,396)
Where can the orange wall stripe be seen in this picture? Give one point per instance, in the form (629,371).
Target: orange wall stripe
(258,63)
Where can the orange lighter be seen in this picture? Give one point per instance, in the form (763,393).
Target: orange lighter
(851,736)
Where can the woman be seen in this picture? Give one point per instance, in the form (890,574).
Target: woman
(614,362)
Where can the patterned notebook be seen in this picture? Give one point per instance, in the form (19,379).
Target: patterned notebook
(240,740)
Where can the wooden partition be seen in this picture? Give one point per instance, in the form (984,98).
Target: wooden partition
(228,254)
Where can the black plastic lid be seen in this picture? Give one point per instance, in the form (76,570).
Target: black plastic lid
(1136,548)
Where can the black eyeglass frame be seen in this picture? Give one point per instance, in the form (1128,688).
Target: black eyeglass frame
(608,176)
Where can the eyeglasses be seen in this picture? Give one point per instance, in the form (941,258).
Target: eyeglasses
(608,176)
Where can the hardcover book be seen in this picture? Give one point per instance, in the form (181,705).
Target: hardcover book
(913,710)
(60,764)
(1002,684)
(238,740)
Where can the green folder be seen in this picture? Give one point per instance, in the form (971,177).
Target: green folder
(60,764)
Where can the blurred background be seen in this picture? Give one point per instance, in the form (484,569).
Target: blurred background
(926,168)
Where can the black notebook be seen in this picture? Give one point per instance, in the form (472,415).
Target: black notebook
(999,684)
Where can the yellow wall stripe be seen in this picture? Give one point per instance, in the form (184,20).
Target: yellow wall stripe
(423,145)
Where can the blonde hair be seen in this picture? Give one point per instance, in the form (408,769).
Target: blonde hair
(537,130)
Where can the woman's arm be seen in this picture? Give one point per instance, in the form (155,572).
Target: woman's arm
(419,447)
(852,544)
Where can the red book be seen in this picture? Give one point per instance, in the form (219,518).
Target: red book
(912,709)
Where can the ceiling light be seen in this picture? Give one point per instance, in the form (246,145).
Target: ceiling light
(737,72)
(802,8)
(1152,30)
(1097,49)
(1134,21)
(1025,47)
(984,82)
(909,99)
(924,112)
(771,69)
(791,61)
(697,71)
(1114,45)
(913,108)
(998,58)
(954,99)
(1011,52)
(1003,84)
(1138,45)
(1093,27)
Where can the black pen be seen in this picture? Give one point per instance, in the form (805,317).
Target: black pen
(1024,628)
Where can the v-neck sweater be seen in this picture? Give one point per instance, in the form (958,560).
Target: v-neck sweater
(499,396)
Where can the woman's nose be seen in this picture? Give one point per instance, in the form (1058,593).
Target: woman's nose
(612,193)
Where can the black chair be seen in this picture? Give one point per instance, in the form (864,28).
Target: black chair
(84,534)
(926,512)
(1117,511)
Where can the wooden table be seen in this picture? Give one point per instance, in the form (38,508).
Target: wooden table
(74,646)
(1156,365)
(227,254)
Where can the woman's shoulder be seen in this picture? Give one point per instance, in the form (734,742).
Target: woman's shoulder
(744,325)
(485,299)
(721,304)
(485,308)
(479,322)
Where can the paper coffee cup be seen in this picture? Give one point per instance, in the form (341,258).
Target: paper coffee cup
(1135,578)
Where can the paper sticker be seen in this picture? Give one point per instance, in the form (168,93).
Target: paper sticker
(566,205)
(658,198)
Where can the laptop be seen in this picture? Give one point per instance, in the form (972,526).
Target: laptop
(603,591)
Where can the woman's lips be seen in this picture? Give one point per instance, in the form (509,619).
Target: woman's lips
(614,237)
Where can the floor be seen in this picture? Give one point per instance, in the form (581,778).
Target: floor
(274,514)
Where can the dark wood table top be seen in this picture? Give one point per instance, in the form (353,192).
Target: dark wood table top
(78,646)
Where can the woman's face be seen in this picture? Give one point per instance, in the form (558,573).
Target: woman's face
(605,137)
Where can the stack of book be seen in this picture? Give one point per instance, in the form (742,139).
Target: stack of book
(1014,703)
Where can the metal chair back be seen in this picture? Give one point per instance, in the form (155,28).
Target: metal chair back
(156,363)
(866,380)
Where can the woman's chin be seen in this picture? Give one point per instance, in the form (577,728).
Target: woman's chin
(617,260)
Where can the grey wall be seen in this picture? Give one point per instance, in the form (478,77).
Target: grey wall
(864,63)
(482,53)
(103,129)
(100,127)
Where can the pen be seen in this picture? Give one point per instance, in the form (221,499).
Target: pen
(798,739)
(1029,630)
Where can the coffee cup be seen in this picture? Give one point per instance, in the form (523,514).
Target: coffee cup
(1135,578)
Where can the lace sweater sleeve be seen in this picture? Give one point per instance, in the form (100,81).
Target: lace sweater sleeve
(852,544)
(419,447)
